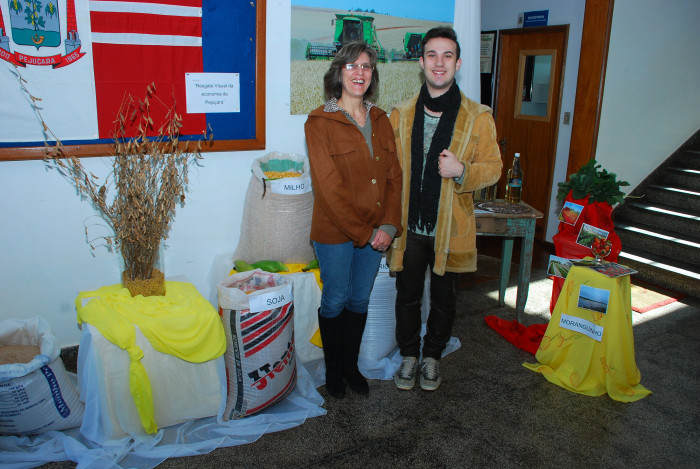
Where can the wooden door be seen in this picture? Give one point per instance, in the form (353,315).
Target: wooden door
(528,96)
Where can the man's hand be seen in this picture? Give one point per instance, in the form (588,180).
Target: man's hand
(381,241)
(449,166)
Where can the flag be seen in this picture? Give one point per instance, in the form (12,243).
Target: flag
(137,43)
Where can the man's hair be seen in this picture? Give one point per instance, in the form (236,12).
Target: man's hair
(333,79)
(440,31)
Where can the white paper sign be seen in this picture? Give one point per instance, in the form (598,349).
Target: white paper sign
(291,186)
(212,92)
(575,324)
(271,299)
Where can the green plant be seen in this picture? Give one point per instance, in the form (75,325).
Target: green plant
(601,185)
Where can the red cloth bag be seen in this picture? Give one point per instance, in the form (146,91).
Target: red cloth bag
(598,214)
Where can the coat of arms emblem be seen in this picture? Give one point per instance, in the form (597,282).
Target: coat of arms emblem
(35,23)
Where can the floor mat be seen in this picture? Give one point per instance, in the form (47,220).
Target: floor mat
(646,296)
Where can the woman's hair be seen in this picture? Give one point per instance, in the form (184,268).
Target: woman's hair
(333,79)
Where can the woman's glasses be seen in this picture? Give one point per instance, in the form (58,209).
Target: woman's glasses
(363,67)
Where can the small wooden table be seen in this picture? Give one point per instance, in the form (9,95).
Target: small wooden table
(509,226)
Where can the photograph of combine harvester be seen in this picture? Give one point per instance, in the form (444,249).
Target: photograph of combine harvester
(394,29)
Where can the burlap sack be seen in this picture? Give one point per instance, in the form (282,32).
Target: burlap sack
(276,221)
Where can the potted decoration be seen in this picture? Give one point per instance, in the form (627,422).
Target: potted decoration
(586,223)
(149,178)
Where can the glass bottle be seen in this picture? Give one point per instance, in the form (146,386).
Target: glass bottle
(514,181)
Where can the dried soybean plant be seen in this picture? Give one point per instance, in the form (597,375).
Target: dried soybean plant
(150,177)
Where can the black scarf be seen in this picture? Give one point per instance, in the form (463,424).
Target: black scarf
(425,188)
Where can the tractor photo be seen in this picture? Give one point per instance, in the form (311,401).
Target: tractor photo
(348,28)
(411,48)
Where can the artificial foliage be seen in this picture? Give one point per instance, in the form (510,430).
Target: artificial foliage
(595,182)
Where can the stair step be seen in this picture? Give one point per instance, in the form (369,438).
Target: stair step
(672,246)
(688,159)
(653,215)
(652,269)
(673,197)
(682,178)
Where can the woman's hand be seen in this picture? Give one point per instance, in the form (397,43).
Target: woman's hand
(449,166)
(381,241)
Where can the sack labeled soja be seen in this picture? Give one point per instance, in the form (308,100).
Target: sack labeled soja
(257,310)
(279,203)
(36,396)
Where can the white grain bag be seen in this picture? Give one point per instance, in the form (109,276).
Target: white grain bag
(38,396)
(257,310)
(276,221)
(379,338)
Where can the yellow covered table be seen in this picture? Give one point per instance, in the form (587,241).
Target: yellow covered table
(180,324)
(588,347)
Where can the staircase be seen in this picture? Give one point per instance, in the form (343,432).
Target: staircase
(660,231)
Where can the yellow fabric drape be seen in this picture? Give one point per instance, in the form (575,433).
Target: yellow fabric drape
(180,323)
(581,364)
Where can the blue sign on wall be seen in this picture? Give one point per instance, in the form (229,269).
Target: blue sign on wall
(535,18)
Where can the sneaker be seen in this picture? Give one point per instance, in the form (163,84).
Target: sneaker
(405,377)
(430,378)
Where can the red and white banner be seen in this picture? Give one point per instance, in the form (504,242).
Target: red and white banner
(79,59)
(135,43)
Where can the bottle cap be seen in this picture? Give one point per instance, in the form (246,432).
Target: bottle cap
(517,155)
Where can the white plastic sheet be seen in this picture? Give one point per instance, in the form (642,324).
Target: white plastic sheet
(187,439)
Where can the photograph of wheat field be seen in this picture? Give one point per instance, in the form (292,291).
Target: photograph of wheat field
(313,34)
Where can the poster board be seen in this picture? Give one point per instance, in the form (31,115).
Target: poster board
(488,59)
(88,57)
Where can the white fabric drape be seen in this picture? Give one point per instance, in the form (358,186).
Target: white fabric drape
(467,25)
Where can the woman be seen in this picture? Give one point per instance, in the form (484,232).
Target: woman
(357,206)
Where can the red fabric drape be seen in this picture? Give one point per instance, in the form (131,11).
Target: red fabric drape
(598,214)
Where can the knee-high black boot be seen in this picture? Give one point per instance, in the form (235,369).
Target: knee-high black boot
(353,328)
(332,338)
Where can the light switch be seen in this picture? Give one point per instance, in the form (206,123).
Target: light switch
(567,118)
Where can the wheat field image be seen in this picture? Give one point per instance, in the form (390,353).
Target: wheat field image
(398,80)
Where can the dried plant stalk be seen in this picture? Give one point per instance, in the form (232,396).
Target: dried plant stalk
(150,177)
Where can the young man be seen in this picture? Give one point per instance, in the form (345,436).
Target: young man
(446,145)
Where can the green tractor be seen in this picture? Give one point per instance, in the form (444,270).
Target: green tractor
(348,28)
(411,48)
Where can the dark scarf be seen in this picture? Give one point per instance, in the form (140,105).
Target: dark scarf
(425,188)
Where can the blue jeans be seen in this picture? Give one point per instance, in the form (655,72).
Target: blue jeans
(348,274)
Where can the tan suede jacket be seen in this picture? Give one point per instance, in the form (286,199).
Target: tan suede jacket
(474,144)
(354,193)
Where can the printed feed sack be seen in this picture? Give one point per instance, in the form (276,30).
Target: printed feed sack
(35,396)
(257,310)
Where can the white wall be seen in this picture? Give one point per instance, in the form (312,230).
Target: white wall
(46,262)
(651,101)
(503,14)
(44,257)
(651,95)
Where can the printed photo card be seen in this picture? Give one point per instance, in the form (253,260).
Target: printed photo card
(570,213)
(590,233)
(558,266)
(593,299)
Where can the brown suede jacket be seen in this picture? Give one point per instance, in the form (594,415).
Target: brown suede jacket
(474,144)
(354,192)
